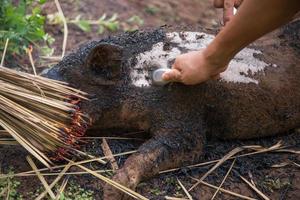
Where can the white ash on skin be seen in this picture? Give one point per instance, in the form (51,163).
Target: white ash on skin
(244,64)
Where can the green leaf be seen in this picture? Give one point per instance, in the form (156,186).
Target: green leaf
(54,18)
(84,25)
(22,23)
(46,51)
(136,20)
(152,10)
(112,26)
(48,38)
(113,18)
(103,17)
(62,196)
(42,1)
(100,29)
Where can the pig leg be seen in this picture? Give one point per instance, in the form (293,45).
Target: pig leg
(167,149)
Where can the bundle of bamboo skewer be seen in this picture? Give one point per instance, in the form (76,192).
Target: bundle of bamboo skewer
(41,114)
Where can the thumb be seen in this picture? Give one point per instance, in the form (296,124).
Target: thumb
(173,75)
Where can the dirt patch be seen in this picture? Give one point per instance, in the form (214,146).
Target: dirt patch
(154,13)
(276,183)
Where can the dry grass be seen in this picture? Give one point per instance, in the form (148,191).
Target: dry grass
(42,179)
(262,195)
(228,172)
(62,166)
(185,190)
(227,157)
(174,198)
(97,173)
(62,16)
(60,175)
(41,122)
(224,190)
(278,147)
(39,113)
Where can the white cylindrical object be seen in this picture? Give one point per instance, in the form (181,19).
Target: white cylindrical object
(157,76)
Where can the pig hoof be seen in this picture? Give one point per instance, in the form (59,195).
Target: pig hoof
(112,193)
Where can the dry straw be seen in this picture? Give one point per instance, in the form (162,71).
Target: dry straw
(41,114)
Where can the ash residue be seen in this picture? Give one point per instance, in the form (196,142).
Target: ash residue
(291,33)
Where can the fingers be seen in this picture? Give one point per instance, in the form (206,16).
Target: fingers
(237,3)
(218,3)
(228,10)
(173,75)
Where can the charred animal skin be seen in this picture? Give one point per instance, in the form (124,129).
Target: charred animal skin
(180,118)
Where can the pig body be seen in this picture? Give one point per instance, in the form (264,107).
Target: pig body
(258,95)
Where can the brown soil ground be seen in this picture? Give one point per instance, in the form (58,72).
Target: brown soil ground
(279,183)
(154,13)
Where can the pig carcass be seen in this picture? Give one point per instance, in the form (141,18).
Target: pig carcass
(258,95)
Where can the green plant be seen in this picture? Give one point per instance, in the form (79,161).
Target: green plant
(152,10)
(270,184)
(73,191)
(133,23)
(156,191)
(76,192)
(111,24)
(103,23)
(8,188)
(23,24)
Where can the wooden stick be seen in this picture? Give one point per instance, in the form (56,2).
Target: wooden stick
(9,142)
(111,138)
(224,190)
(61,13)
(61,166)
(29,52)
(61,174)
(228,172)
(298,165)
(215,161)
(42,179)
(262,195)
(4,133)
(62,188)
(4,52)
(185,190)
(224,159)
(67,173)
(108,153)
(90,156)
(174,198)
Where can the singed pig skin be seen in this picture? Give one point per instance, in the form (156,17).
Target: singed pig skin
(179,118)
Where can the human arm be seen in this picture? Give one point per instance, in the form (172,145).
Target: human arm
(254,19)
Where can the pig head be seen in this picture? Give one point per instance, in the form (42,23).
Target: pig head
(258,95)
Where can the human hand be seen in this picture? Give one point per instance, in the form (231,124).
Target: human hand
(193,68)
(228,8)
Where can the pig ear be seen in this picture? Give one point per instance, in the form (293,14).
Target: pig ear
(105,60)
